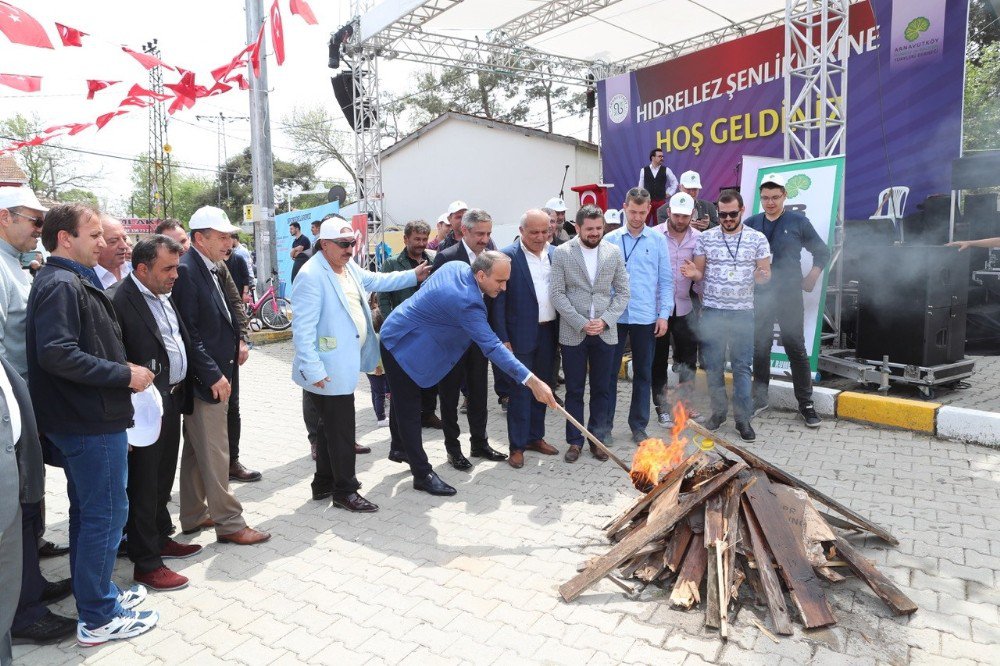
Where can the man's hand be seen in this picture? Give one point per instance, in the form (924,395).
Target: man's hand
(594,327)
(321,383)
(660,329)
(689,270)
(423,271)
(761,275)
(221,390)
(700,223)
(509,348)
(141,377)
(961,245)
(809,281)
(541,391)
(244,353)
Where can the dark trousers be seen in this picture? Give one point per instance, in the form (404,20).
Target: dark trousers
(502,384)
(151,471)
(29,606)
(428,401)
(335,456)
(234,422)
(784,307)
(379,389)
(311,417)
(682,337)
(525,415)
(404,416)
(643,342)
(598,355)
(473,368)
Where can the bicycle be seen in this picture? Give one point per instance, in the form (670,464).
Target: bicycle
(270,310)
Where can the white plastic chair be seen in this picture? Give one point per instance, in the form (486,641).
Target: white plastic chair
(891,204)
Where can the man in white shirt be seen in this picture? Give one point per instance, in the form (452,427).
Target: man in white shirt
(111,265)
(659,181)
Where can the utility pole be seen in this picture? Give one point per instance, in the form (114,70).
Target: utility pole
(262,166)
(220,122)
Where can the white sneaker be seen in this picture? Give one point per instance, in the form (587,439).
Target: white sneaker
(132,597)
(382,423)
(126,625)
(665,419)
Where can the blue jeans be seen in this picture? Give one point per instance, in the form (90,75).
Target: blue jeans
(598,354)
(96,469)
(720,329)
(643,343)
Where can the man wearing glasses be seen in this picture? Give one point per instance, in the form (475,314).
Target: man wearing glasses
(780,302)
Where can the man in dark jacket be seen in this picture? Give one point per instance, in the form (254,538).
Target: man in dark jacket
(80,381)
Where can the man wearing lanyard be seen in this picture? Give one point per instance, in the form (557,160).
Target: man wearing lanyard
(651,302)
(780,302)
(731,259)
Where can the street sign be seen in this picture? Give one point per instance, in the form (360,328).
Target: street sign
(248,213)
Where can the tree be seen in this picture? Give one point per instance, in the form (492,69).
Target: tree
(49,169)
(490,93)
(557,98)
(318,141)
(77,195)
(186,192)
(984,28)
(982,101)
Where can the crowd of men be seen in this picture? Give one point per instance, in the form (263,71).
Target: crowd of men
(110,342)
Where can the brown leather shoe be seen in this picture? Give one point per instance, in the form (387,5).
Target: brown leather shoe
(206,524)
(572,453)
(516,459)
(431,421)
(543,447)
(237,472)
(361,450)
(245,537)
(597,453)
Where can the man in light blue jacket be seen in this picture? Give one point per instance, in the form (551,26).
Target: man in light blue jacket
(334,343)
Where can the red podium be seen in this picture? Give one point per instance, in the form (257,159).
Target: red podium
(595,194)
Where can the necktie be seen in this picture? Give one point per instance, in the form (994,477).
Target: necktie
(222,293)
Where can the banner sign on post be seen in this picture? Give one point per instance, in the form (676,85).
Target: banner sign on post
(305,218)
(709,108)
(812,189)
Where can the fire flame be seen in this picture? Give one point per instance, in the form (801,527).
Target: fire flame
(655,458)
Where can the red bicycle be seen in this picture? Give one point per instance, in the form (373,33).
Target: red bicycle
(270,310)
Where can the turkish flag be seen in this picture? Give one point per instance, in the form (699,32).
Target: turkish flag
(138,91)
(21,82)
(104,119)
(302,8)
(146,60)
(277,33)
(70,36)
(93,85)
(221,73)
(76,128)
(239,80)
(255,52)
(21,28)
(132,100)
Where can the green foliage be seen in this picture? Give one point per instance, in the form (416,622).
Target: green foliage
(982,100)
(77,195)
(186,192)
(49,169)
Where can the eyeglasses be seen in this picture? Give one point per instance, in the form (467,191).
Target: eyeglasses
(36,221)
(776,197)
(343,244)
(731,214)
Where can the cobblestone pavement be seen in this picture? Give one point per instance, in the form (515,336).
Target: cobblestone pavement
(473,579)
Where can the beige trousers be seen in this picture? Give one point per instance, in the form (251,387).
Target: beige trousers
(205,489)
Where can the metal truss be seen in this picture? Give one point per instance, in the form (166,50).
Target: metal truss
(367,142)
(159,192)
(548,17)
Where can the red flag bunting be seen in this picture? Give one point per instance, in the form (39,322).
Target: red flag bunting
(255,52)
(277,34)
(132,100)
(239,80)
(105,118)
(93,85)
(21,28)
(78,127)
(221,73)
(21,82)
(302,8)
(70,36)
(138,91)
(146,60)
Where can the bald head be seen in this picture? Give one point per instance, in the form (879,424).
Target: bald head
(535,230)
(113,255)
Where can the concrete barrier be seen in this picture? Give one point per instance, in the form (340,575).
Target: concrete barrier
(969,425)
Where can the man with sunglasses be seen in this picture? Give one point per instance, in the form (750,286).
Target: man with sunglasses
(780,302)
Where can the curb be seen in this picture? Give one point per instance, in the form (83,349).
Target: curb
(268,337)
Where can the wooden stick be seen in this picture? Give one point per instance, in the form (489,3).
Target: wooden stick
(723,591)
(598,443)
(755,622)
(882,586)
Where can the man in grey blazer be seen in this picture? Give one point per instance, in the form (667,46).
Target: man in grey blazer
(589,289)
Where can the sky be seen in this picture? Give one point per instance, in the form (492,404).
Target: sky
(198,35)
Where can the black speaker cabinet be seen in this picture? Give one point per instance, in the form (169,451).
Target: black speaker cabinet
(912,305)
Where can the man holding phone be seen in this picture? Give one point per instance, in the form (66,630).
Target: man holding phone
(705,215)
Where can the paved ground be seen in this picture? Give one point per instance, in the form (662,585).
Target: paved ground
(473,579)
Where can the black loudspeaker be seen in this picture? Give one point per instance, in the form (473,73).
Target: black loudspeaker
(912,305)
(929,225)
(343,90)
(982,215)
(864,242)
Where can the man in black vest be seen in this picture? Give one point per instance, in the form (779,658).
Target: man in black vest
(659,181)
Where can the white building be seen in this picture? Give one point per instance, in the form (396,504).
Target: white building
(503,168)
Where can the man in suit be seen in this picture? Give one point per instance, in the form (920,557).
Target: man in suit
(22,481)
(216,348)
(429,334)
(334,342)
(154,337)
(590,291)
(473,368)
(525,321)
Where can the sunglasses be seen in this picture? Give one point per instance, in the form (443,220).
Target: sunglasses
(344,244)
(733,214)
(36,221)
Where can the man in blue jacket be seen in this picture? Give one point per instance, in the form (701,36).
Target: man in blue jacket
(428,334)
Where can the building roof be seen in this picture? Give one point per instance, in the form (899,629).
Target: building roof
(10,172)
(488,123)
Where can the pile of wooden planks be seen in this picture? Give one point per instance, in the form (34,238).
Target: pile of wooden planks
(715,522)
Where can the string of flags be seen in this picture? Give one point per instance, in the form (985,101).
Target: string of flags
(21,28)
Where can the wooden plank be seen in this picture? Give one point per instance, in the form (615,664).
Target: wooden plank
(685,593)
(677,546)
(644,501)
(713,537)
(780,475)
(829,574)
(787,548)
(882,586)
(628,546)
(773,595)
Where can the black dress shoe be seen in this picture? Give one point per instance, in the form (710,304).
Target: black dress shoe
(53,592)
(354,502)
(398,457)
(238,472)
(49,549)
(460,462)
(320,495)
(488,452)
(433,484)
(50,629)
(361,450)
(431,421)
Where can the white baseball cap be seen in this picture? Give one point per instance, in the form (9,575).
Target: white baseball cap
(613,216)
(336,228)
(210,217)
(682,203)
(148,407)
(12,197)
(456,206)
(773,179)
(556,204)
(691,180)
(443,219)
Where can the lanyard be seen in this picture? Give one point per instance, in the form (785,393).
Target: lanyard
(734,255)
(626,252)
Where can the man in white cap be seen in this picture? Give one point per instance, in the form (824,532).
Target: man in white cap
(216,348)
(456,209)
(334,342)
(558,206)
(659,181)
(443,227)
(705,215)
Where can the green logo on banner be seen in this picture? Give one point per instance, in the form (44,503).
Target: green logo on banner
(797,183)
(915,27)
